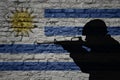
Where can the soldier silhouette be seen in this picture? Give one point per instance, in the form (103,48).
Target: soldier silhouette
(99,54)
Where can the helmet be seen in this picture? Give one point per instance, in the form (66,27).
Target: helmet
(95,27)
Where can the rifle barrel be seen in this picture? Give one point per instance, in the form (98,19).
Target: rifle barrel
(61,40)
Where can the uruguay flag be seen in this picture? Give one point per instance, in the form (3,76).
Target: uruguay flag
(22,23)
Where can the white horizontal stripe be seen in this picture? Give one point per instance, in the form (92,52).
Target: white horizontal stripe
(117,38)
(71,3)
(77,4)
(76,21)
(47,40)
(50,40)
(43,57)
(43,75)
(66,38)
(41,22)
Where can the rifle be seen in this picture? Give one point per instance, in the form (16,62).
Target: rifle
(61,41)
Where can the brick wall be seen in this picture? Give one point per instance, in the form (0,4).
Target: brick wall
(22,59)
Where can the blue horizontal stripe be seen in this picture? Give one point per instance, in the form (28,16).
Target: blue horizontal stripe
(71,31)
(82,13)
(28,66)
(62,30)
(31,48)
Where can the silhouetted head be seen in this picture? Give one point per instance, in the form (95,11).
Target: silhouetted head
(95,31)
(95,27)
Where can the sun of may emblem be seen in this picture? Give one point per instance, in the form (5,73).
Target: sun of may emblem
(22,22)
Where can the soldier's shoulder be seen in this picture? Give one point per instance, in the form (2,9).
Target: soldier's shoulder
(112,40)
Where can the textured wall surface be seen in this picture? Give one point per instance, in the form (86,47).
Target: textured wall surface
(24,22)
